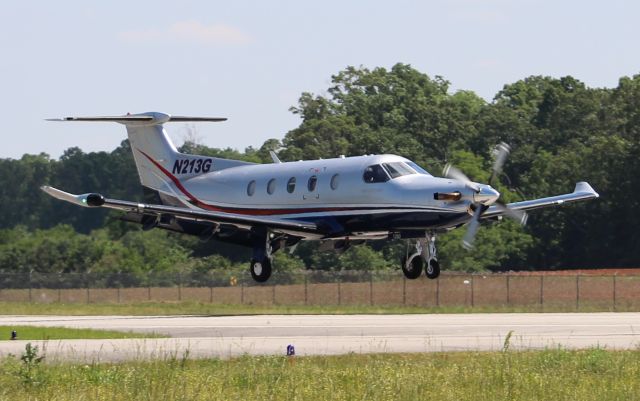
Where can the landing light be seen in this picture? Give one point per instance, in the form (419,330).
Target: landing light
(443,196)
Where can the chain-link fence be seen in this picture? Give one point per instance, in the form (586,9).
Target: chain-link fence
(379,288)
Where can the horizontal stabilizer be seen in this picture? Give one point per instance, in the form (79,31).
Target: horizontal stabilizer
(150,118)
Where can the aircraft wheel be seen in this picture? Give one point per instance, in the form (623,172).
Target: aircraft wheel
(415,268)
(260,270)
(433,269)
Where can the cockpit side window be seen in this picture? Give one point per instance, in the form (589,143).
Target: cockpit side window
(374,174)
(398,169)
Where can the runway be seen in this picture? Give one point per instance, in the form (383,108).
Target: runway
(231,336)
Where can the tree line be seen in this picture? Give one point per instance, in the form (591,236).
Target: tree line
(560,132)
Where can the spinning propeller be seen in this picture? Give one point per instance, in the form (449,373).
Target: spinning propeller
(484,195)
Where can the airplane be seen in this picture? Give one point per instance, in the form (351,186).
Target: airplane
(341,201)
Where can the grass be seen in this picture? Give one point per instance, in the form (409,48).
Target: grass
(594,374)
(60,333)
(198,308)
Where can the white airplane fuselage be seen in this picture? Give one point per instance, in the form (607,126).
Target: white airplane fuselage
(340,191)
(272,206)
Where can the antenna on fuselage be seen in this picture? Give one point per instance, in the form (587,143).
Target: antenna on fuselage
(274,157)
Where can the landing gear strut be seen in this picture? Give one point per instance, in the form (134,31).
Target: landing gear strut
(260,267)
(425,250)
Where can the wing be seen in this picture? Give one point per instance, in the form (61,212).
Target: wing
(582,191)
(298,228)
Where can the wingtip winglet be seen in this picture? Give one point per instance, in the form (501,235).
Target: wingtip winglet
(585,187)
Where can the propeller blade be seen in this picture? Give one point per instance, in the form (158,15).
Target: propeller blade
(500,154)
(517,215)
(452,172)
(472,229)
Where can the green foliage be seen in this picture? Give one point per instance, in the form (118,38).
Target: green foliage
(362,257)
(560,130)
(501,246)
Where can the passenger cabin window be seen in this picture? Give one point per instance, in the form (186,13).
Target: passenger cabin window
(398,169)
(311,185)
(291,185)
(375,173)
(251,188)
(271,186)
(335,180)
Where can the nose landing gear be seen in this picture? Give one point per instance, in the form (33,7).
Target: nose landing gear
(425,250)
(433,269)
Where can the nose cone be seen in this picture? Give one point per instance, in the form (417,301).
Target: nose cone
(486,196)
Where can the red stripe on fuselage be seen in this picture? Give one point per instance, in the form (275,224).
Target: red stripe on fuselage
(256,212)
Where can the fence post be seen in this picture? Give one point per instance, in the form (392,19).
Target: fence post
(59,287)
(86,283)
(578,291)
(371,287)
(508,290)
(614,292)
(242,292)
(149,278)
(438,292)
(472,295)
(404,290)
(30,285)
(339,290)
(179,286)
(273,294)
(306,299)
(210,292)
(542,291)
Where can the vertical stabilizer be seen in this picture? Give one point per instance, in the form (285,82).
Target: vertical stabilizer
(160,166)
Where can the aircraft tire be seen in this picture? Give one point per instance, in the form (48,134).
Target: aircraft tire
(415,268)
(433,269)
(260,270)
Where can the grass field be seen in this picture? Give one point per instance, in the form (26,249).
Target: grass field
(198,308)
(594,374)
(60,333)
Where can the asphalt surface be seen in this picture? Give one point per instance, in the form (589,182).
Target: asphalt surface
(231,336)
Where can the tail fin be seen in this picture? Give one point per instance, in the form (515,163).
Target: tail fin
(158,161)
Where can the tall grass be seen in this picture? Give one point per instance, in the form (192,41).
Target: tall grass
(594,374)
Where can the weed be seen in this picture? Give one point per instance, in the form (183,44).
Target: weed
(30,368)
(507,341)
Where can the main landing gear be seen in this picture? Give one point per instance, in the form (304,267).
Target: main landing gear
(425,251)
(264,245)
(260,267)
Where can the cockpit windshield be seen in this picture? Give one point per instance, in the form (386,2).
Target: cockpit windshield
(398,169)
(417,168)
(385,171)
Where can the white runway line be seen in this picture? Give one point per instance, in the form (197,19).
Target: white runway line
(231,336)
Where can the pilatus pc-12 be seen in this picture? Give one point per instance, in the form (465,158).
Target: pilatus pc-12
(341,202)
